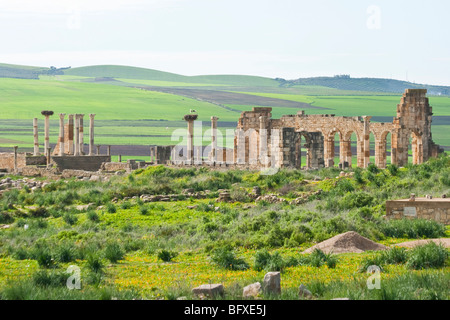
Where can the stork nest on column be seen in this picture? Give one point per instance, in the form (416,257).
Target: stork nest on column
(47,113)
(190,117)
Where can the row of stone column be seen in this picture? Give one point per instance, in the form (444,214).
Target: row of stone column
(75,142)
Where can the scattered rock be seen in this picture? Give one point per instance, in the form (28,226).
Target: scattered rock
(182,298)
(191,207)
(340,299)
(252,290)
(347,242)
(224,197)
(304,293)
(270,198)
(272,283)
(209,290)
(95,178)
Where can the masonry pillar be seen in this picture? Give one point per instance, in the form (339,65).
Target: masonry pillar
(366,146)
(120,158)
(91,134)
(346,151)
(81,137)
(47,115)
(190,137)
(69,136)
(98,150)
(329,151)
(77,135)
(109,151)
(213,154)
(263,156)
(239,147)
(61,133)
(360,157)
(16,167)
(380,153)
(36,138)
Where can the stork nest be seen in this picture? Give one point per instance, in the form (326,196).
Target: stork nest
(47,113)
(190,117)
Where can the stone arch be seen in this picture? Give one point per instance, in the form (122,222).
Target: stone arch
(330,145)
(346,148)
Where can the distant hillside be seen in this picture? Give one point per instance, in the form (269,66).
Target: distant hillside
(364,84)
(112,71)
(27,72)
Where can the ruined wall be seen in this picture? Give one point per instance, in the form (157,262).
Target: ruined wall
(421,208)
(86,163)
(7,160)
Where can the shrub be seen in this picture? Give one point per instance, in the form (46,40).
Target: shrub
(429,255)
(125,205)
(94,263)
(65,253)
(70,218)
(44,278)
(93,216)
(225,258)
(143,210)
(275,262)
(113,252)
(416,228)
(166,255)
(395,255)
(111,208)
(319,258)
(43,256)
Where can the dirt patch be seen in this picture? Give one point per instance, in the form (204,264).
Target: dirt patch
(224,97)
(347,242)
(411,244)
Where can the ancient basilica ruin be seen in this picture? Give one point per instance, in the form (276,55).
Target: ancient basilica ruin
(259,142)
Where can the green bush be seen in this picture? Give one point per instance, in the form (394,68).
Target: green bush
(318,258)
(167,255)
(113,252)
(70,218)
(224,257)
(426,256)
(416,228)
(275,262)
(43,256)
(44,278)
(65,253)
(94,263)
(111,208)
(93,216)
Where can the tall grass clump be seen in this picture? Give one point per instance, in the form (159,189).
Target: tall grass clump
(224,257)
(426,256)
(416,228)
(113,252)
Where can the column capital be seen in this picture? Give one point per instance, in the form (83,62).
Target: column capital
(214,118)
(91,115)
(62,115)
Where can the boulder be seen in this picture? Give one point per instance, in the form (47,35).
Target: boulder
(209,290)
(304,293)
(252,290)
(272,283)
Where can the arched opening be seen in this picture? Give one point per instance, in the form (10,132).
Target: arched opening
(372,148)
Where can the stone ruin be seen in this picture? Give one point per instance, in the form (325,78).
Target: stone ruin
(263,142)
(260,142)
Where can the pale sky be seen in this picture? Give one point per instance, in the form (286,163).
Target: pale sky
(405,40)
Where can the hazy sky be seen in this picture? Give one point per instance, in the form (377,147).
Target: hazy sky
(283,38)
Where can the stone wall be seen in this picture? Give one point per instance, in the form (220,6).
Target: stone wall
(422,208)
(85,163)
(7,161)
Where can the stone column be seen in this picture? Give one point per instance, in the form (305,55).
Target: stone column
(380,153)
(366,147)
(213,156)
(77,135)
(61,133)
(98,150)
(48,157)
(47,115)
(239,153)
(81,137)
(345,151)
(360,156)
(329,151)
(109,151)
(16,167)
(190,142)
(263,155)
(120,158)
(69,148)
(91,134)
(36,138)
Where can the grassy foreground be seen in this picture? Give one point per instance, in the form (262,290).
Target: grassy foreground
(127,248)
